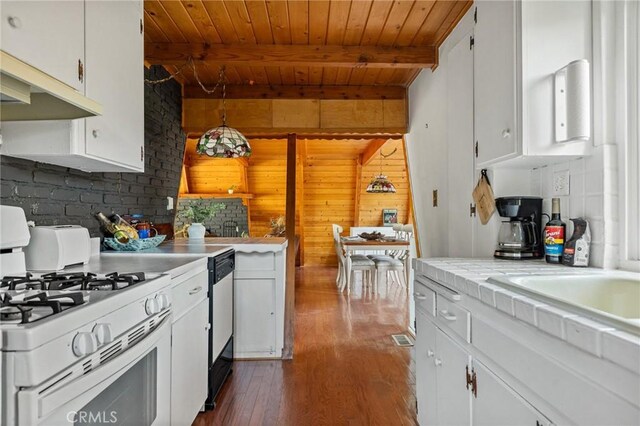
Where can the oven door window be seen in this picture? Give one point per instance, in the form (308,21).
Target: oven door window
(130,400)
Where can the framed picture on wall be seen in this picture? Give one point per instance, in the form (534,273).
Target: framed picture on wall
(389,217)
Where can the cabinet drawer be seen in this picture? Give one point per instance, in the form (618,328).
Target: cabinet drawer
(454,317)
(425,298)
(189,292)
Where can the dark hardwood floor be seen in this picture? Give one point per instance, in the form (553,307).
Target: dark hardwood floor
(346,368)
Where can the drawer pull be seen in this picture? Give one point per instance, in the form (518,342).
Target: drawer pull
(446,315)
(420,296)
(195,290)
(430,353)
(437,362)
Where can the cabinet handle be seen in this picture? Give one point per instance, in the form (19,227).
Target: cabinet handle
(419,296)
(195,290)
(437,362)
(207,327)
(95,133)
(14,22)
(506,133)
(430,353)
(446,315)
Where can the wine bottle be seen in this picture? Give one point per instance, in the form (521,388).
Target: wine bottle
(554,234)
(113,229)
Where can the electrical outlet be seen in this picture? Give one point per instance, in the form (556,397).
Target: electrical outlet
(561,182)
(435,198)
(169,203)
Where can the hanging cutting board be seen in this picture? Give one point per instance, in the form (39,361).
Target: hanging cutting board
(484,199)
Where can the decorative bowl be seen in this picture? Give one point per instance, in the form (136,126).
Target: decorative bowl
(135,245)
(371,236)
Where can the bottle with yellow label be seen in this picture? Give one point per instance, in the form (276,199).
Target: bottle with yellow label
(554,234)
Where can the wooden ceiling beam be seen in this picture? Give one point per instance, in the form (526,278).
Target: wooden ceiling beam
(291,55)
(371,151)
(299,92)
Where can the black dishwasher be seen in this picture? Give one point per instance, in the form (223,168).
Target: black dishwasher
(221,319)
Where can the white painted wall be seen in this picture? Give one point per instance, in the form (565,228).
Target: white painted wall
(593,179)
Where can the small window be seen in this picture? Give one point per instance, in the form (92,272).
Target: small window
(628,122)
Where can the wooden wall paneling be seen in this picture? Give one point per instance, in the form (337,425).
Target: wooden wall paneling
(299,21)
(344,114)
(427,33)
(372,151)
(416,18)
(296,113)
(358,15)
(241,20)
(289,300)
(184,181)
(375,22)
(394,112)
(259,18)
(301,160)
(395,21)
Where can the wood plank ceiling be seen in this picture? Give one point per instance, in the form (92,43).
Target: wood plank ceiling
(270,45)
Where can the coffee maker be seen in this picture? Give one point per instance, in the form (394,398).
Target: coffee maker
(520,236)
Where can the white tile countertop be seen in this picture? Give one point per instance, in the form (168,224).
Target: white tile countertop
(469,276)
(173,250)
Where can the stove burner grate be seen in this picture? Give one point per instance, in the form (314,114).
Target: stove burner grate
(11,309)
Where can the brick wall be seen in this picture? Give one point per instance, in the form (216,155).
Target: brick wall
(234,211)
(53,195)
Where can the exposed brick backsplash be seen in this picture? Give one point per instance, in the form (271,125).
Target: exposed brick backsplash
(234,211)
(54,195)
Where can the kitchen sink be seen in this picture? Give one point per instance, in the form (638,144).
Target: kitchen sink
(609,297)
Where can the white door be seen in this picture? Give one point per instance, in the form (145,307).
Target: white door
(426,384)
(115,78)
(255,324)
(498,404)
(460,143)
(48,35)
(495,80)
(454,400)
(189,358)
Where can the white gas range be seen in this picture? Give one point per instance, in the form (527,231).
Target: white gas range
(81,348)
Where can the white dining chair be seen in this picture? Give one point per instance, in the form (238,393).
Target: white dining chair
(359,263)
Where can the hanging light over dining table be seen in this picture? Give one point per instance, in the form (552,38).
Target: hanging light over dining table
(380,184)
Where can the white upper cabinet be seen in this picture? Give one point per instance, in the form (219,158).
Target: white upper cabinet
(48,35)
(111,37)
(518,47)
(115,76)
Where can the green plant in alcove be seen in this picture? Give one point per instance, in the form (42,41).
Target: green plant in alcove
(201,210)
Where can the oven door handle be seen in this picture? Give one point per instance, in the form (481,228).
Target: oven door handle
(37,403)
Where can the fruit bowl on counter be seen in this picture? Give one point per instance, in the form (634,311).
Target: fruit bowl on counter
(135,245)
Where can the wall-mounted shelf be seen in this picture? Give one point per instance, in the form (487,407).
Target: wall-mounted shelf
(244,196)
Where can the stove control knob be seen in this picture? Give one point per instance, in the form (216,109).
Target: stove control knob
(84,343)
(151,306)
(162,300)
(103,333)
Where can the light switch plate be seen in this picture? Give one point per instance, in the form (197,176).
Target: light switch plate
(561,182)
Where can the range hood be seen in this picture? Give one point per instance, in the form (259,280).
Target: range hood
(27,93)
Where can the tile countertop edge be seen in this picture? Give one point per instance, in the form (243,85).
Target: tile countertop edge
(160,265)
(469,276)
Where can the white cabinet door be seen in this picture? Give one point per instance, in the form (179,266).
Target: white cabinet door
(495,85)
(454,400)
(48,35)
(426,385)
(255,321)
(498,404)
(189,356)
(115,78)
(460,143)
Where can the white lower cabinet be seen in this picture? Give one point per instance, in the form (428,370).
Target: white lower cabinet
(255,321)
(259,281)
(498,404)
(452,388)
(189,355)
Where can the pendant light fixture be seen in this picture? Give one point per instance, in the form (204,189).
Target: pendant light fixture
(380,184)
(223,141)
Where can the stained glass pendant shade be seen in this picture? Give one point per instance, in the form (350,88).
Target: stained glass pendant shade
(380,184)
(224,142)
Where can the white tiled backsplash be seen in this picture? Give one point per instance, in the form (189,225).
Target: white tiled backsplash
(593,195)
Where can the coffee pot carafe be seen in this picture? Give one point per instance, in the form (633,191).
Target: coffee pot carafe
(519,237)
